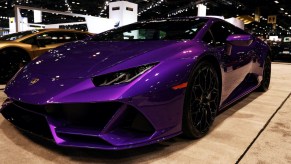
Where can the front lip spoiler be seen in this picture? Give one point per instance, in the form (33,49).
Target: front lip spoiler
(123,147)
(97,147)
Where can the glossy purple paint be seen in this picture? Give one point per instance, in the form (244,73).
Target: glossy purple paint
(65,74)
(240,37)
(240,40)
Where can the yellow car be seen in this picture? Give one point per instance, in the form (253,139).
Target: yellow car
(19,48)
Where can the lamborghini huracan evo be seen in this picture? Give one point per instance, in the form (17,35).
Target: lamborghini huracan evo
(138,84)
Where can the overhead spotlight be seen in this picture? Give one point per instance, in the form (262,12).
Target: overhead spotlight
(276,2)
(281,9)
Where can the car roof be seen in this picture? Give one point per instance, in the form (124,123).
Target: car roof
(40,31)
(176,19)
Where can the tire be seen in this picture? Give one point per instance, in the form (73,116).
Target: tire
(201,100)
(264,86)
(11,60)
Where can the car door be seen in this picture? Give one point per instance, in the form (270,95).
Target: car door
(236,60)
(50,40)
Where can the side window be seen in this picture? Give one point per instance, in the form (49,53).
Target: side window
(66,37)
(220,32)
(236,30)
(56,37)
(81,36)
(31,41)
(44,39)
(208,38)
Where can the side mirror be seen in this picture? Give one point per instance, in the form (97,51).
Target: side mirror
(240,39)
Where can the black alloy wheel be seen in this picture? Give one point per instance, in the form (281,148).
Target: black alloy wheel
(11,61)
(201,101)
(265,83)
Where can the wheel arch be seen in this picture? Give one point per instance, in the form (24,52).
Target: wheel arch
(215,61)
(23,53)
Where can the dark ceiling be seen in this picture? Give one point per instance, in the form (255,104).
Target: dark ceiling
(151,9)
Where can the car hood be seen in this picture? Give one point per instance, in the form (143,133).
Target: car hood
(65,72)
(89,58)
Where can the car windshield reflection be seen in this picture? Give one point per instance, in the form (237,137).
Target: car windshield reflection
(156,30)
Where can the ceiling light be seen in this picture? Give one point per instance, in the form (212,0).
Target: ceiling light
(281,9)
(276,1)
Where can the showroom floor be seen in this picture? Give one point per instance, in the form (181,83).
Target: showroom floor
(255,130)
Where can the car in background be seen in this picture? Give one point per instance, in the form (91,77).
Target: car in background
(17,49)
(138,84)
(282,51)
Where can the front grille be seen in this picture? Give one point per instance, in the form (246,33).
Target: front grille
(125,123)
(89,115)
(102,124)
(27,121)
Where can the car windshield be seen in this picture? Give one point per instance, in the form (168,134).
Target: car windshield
(18,35)
(180,29)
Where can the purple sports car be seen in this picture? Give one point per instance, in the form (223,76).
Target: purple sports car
(138,84)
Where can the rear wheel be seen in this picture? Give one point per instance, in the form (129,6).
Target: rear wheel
(201,101)
(11,61)
(266,75)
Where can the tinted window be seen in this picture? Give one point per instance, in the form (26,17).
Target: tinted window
(56,37)
(159,30)
(18,35)
(81,36)
(220,31)
(31,41)
(236,30)
(208,38)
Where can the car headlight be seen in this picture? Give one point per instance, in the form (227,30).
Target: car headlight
(124,76)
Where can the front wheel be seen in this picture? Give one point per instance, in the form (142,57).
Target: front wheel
(201,101)
(264,86)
